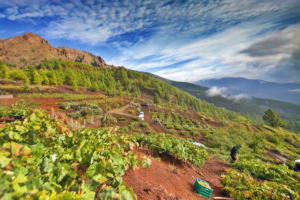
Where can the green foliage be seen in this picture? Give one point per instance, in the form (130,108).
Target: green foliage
(64,96)
(48,159)
(169,126)
(178,127)
(271,118)
(131,111)
(242,186)
(144,124)
(156,99)
(185,133)
(94,87)
(266,171)
(26,87)
(75,88)
(172,131)
(82,109)
(196,133)
(137,119)
(179,147)
(122,119)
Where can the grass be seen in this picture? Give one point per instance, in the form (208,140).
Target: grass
(144,124)
(131,111)
(64,96)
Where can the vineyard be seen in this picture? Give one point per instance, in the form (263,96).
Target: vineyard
(41,158)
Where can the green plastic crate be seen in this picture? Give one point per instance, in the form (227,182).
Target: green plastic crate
(203,191)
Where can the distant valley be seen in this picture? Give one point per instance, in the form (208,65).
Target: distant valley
(288,92)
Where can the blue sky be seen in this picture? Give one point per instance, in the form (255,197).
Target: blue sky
(184,40)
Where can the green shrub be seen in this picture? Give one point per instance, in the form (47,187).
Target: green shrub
(185,133)
(169,126)
(151,132)
(131,111)
(172,131)
(82,109)
(26,87)
(187,128)
(137,130)
(178,127)
(144,124)
(108,108)
(196,133)
(125,128)
(122,119)
(137,119)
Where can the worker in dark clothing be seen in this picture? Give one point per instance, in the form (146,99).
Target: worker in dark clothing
(297,166)
(234,151)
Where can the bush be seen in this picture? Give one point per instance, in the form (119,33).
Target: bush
(172,131)
(151,132)
(131,111)
(185,133)
(82,109)
(108,108)
(137,119)
(137,130)
(178,127)
(144,124)
(169,126)
(186,127)
(26,87)
(196,133)
(125,128)
(122,119)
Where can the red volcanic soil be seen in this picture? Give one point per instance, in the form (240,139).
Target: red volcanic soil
(163,180)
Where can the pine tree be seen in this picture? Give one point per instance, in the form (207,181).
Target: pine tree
(156,99)
(46,80)
(94,87)
(271,118)
(4,70)
(120,92)
(89,84)
(36,78)
(75,88)
(26,87)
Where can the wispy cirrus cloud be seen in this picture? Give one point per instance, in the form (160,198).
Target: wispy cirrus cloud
(180,40)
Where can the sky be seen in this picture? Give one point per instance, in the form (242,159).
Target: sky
(184,40)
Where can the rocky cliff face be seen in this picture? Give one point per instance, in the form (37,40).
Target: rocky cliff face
(31,49)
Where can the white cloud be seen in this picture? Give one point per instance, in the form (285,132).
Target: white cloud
(222,91)
(295,90)
(215,91)
(210,35)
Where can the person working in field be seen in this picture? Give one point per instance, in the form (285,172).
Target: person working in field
(297,166)
(234,151)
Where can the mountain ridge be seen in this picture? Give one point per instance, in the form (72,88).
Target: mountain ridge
(285,92)
(32,49)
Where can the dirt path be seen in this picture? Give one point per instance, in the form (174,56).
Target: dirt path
(120,111)
(163,180)
(158,128)
(271,154)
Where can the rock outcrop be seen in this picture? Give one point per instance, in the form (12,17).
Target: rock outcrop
(31,49)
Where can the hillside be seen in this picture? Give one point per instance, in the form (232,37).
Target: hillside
(252,108)
(31,49)
(76,127)
(287,92)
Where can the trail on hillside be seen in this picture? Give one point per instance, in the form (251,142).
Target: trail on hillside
(152,125)
(163,180)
